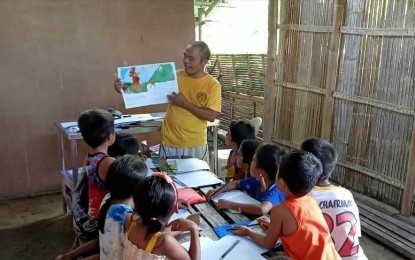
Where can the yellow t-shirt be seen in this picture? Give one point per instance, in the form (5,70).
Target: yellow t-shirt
(181,128)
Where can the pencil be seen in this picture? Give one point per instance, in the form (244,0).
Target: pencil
(250,225)
(229,249)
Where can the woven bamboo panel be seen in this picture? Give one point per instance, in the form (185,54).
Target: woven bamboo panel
(375,98)
(301,68)
(374,95)
(234,108)
(241,73)
(226,69)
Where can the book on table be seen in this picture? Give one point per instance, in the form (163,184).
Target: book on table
(197,179)
(178,166)
(236,196)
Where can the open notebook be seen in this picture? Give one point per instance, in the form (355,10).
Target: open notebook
(245,249)
(197,179)
(187,165)
(183,213)
(236,196)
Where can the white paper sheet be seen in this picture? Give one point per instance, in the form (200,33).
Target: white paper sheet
(149,163)
(178,186)
(69,124)
(148,84)
(155,148)
(204,241)
(187,165)
(198,179)
(149,172)
(136,118)
(183,213)
(236,196)
(245,249)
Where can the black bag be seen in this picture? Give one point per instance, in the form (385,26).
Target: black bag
(85,226)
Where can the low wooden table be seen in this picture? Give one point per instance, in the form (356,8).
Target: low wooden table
(210,217)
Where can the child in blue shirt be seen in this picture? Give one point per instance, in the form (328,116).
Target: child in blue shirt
(263,166)
(122,177)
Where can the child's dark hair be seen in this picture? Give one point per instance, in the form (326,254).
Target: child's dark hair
(248,148)
(122,177)
(300,170)
(95,126)
(241,130)
(268,158)
(325,152)
(154,199)
(124,144)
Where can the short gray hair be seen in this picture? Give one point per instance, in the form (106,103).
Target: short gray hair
(204,49)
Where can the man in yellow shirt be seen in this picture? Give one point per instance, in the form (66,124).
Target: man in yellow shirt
(183,131)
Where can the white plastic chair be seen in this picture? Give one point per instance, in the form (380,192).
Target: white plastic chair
(256,121)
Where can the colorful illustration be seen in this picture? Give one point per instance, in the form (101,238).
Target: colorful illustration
(148,84)
(172,165)
(136,79)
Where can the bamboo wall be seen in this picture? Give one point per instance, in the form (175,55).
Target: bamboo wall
(375,100)
(341,70)
(345,71)
(242,77)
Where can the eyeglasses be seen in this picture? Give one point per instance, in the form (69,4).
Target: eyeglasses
(167,178)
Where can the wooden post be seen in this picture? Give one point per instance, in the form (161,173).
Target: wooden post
(332,70)
(270,88)
(235,78)
(211,6)
(201,20)
(248,64)
(408,192)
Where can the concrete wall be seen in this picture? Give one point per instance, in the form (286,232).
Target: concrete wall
(58,58)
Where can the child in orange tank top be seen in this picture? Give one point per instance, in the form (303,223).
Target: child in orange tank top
(298,221)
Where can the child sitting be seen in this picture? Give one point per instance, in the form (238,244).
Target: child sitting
(298,220)
(97,129)
(238,131)
(123,144)
(245,155)
(123,175)
(346,232)
(261,185)
(155,200)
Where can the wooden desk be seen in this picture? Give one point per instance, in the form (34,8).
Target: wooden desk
(210,217)
(65,134)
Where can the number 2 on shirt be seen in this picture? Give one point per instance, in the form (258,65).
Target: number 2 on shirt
(345,218)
